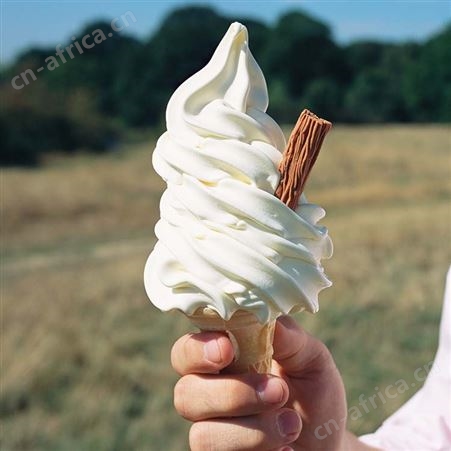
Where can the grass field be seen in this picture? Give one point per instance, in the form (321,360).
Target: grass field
(85,357)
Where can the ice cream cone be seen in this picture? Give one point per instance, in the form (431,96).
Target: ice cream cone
(221,231)
(251,339)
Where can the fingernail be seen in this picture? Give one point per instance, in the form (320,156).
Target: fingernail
(288,423)
(287,448)
(270,391)
(212,352)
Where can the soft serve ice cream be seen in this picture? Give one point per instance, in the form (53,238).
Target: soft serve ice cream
(224,240)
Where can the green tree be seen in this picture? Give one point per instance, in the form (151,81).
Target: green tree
(181,46)
(282,106)
(376,93)
(301,49)
(97,68)
(183,43)
(372,98)
(428,80)
(363,55)
(80,103)
(323,96)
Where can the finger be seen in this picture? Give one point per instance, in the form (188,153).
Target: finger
(199,397)
(297,352)
(270,430)
(204,352)
(315,381)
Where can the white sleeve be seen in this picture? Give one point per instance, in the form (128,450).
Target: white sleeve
(424,422)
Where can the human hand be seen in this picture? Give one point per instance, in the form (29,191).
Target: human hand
(278,411)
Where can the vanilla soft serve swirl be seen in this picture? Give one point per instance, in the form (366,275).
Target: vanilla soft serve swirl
(224,240)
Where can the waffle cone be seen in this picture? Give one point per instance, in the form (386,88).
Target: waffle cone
(251,339)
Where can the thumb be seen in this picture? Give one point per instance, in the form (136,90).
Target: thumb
(297,352)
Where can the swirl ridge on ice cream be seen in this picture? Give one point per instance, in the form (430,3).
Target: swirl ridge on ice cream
(224,240)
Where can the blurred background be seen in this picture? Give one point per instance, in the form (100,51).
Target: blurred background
(84,86)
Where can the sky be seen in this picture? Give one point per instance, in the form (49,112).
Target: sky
(26,23)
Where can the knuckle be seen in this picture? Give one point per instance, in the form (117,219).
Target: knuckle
(229,397)
(180,395)
(180,353)
(186,350)
(235,397)
(255,439)
(322,349)
(200,437)
(323,357)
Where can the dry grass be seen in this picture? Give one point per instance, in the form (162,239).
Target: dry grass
(85,359)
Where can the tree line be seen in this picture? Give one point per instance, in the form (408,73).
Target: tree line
(88,101)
